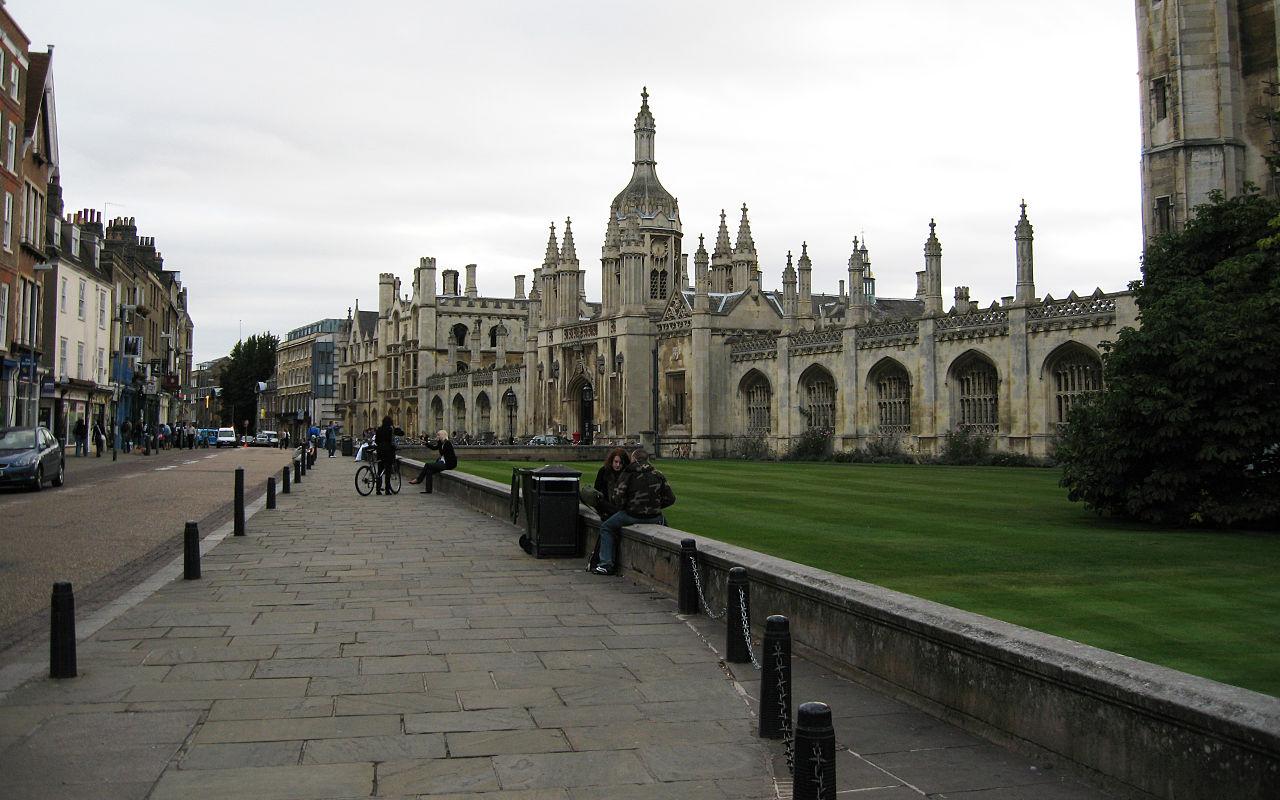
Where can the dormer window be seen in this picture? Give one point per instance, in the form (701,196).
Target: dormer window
(75,240)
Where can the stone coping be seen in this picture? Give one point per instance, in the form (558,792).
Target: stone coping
(1141,728)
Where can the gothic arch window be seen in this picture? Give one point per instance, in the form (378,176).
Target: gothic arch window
(461,367)
(493,336)
(459,413)
(653,284)
(662,284)
(818,398)
(485,413)
(459,333)
(891,392)
(975,391)
(757,396)
(1074,372)
(437,413)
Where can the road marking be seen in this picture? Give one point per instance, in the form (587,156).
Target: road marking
(192,461)
(215,455)
(162,469)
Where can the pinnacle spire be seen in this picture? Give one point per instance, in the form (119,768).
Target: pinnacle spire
(567,251)
(805,263)
(745,243)
(723,248)
(1023,229)
(702,246)
(553,249)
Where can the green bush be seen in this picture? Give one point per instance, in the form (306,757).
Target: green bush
(965,446)
(753,447)
(812,445)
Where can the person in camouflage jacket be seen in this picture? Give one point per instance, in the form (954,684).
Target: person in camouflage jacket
(641,492)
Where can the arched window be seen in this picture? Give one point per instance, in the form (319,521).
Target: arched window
(976,387)
(662,284)
(759,402)
(437,413)
(462,367)
(459,333)
(482,407)
(892,387)
(459,413)
(818,398)
(493,336)
(653,284)
(1076,373)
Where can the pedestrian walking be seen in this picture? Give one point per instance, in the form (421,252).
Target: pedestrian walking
(99,437)
(331,440)
(126,436)
(81,432)
(385,440)
(448,460)
(640,493)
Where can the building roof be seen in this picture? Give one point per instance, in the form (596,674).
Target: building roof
(367,323)
(36,74)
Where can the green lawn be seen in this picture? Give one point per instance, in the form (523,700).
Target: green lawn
(1002,542)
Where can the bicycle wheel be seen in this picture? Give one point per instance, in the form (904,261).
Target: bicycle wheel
(365,482)
(395,479)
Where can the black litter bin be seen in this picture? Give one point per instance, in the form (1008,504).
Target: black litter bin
(348,449)
(552,512)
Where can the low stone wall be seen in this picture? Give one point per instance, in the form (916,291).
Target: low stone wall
(540,455)
(1141,729)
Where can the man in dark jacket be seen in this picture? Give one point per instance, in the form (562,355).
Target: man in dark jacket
(448,460)
(80,431)
(641,492)
(385,440)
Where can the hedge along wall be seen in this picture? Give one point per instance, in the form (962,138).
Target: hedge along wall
(1143,729)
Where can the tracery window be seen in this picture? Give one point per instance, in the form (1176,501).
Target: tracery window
(893,401)
(437,413)
(459,413)
(820,401)
(1074,376)
(662,283)
(482,405)
(978,402)
(759,402)
(653,284)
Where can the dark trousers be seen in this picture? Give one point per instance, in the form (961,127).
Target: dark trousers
(427,476)
(384,475)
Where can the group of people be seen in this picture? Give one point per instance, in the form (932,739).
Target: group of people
(384,441)
(627,491)
(81,431)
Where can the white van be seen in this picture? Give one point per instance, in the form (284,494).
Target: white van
(226,436)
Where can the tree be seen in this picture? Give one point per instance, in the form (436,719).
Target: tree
(1187,430)
(252,360)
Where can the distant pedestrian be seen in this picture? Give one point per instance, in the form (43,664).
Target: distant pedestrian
(99,437)
(385,440)
(448,460)
(640,494)
(126,436)
(331,440)
(81,432)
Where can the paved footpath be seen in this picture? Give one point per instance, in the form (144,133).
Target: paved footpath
(403,646)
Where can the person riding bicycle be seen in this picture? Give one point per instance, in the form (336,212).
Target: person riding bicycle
(384,440)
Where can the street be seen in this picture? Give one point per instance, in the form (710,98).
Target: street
(112,522)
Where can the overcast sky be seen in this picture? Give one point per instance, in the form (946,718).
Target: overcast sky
(285,153)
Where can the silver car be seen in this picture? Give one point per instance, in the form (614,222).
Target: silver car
(30,457)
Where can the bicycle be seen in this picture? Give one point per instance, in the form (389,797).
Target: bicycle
(368,477)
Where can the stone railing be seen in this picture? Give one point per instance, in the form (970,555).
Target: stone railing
(754,348)
(585,331)
(975,325)
(1141,729)
(1073,312)
(888,334)
(510,375)
(436,382)
(826,340)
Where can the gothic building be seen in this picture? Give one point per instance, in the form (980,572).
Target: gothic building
(698,366)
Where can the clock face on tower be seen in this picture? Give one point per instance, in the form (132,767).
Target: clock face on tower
(659,249)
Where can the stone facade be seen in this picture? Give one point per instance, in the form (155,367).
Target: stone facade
(702,367)
(1208,72)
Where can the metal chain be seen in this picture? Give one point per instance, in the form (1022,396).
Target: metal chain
(819,775)
(788,736)
(746,627)
(697,582)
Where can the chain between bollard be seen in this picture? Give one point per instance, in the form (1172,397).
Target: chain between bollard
(819,774)
(788,735)
(697,581)
(746,629)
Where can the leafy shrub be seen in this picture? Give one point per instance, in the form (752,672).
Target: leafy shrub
(754,447)
(812,445)
(965,446)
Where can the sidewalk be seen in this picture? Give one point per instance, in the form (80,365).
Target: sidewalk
(406,647)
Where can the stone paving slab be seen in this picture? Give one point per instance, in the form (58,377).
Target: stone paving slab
(405,647)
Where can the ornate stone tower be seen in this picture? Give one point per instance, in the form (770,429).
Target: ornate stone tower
(1208,72)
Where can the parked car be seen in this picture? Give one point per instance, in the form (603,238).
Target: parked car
(226,438)
(549,440)
(31,457)
(266,439)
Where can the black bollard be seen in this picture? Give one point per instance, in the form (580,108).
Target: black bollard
(285,478)
(736,648)
(302,459)
(271,492)
(146,445)
(62,632)
(239,522)
(191,551)
(688,587)
(775,678)
(297,471)
(815,754)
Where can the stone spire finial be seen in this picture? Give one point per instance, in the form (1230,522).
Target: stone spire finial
(553,249)
(1025,288)
(723,248)
(932,246)
(568,253)
(805,263)
(745,243)
(702,246)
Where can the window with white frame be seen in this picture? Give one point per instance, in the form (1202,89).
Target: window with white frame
(84,287)
(75,240)
(14,77)
(80,361)
(8,221)
(102,309)
(100,369)
(62,297)
(62,359)
(4,316)
(10,146)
